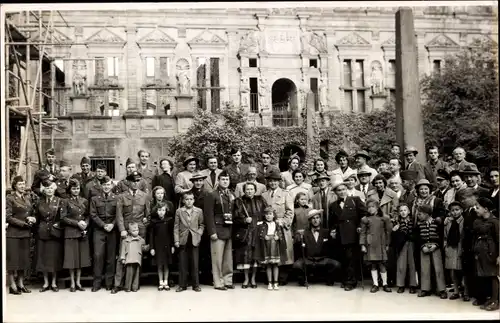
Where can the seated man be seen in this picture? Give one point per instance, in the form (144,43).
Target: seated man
(315,243)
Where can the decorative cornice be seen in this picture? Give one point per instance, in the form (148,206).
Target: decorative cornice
(442,41)
(207,38)
(352,40)
(105,37)
(156,38)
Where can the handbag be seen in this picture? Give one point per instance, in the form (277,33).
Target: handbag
(242,233)
(55,229)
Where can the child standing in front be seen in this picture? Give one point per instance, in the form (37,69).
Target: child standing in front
(374,239)
(430,253)
(453,235)
(131,256)
(300,219)
(403,238)
(188,228)
(270,247)
(161,240)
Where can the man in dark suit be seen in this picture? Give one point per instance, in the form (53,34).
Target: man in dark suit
(265,168)
(471,174)
(434,165)
(364,186)
(218,210)
(493,193)
(443,183)
(413,164)
(237,170)
(315,243)
(409,194)
(345,218)
(50,167)
(323,198)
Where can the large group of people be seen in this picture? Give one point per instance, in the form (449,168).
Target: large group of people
(413,225)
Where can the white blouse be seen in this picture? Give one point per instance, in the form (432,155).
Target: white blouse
(271,228)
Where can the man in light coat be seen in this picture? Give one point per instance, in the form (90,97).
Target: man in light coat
(212,173)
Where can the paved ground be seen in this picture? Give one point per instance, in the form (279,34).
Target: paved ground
(319,302)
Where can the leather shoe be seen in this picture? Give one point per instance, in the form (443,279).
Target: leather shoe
(387,289)
(197,289)
(229,286)
(254,286)
(374,289)
(348,288)
(413,290)
(466,298)
(95,289)
(244,286)
(478,302)
(423,293)
(44,289)
(72,289)
(443,295)
(24,290)
(401,290)
(55,289)
(454,296)
(14,291)
(180,289)
(114,290)
(221,288)
(80,288)
(493,306)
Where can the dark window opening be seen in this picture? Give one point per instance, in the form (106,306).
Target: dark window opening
(313,63)
(254,95)
(214,82)
(109,162)
(252,62)
(314,88)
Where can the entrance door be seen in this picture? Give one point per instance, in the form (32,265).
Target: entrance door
(284,97)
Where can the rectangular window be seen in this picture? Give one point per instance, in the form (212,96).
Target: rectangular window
(164,68)
(150,66)
(112,66)
(436,66)
(360,75)
(252,62)
(392,73)
(313,63)
(108,162)
(214,82)
(347,73)
(348,100)
(114,103)
(313,83)
(254,95)
(201,82)
(99,68)
(392,95)
(151,102)
(361,101)
(59,63)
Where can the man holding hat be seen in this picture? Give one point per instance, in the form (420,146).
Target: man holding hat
(316,244)
(471,174)
(362,158)
(443,183)
(63,181)
(85,175)
(434,164)
(131,206)
(251,178)
(323,198)
(123,185)
(93,187)
(183,182)
(264,168)
(412,163)
(50,171)
(344,171)
(237,170)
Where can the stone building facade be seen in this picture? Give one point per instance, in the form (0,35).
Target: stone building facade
(134,78)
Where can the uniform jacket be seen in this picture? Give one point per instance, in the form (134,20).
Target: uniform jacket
(131,208)
(262,174)
(431,169)
(214,211)
(338,175)
(74,210)
(61,190)
(131,250)
(37,181)
(123,187)
(208,181)
(346,221)
(17,209)
(83,179)
(182,181)
(166,181)
(317,204)
(417,167)
(375,235)
(185,224)
(369,169)
(47,214)
(389,203)
(234,177)
(238,192)
(317,250)
(103,210)
(92,188)
(148,173)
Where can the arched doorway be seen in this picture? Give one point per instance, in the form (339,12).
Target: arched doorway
(284,98)
(288,151)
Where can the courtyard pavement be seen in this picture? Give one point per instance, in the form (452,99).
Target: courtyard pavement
(291,302)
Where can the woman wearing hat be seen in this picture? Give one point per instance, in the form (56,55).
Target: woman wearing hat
(486,254)
(49,244)
(75,217)
(182,180)
(18,214)
(424,196)
(249,211)
(320,169)
(344,171)
(293,165)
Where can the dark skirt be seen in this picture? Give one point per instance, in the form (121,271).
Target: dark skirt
(49,255)
(163,256)
(18,253)
(76,253)
(271,252)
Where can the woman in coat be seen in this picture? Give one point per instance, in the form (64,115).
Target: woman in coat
(19,216)
(299,185)
(293,165)
(183,183)
(49,244)
(75,217)
(166,180)
(249,213)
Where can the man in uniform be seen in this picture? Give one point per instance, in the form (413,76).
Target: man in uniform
(105,237)
(50,167)
(93,187)
(237,170)
(85,175)
(63,181)
(123,185)
(148,172)
(131,206)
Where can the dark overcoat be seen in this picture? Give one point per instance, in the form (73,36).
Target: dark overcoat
(346,221)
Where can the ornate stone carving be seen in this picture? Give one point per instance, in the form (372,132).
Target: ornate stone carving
(283,11)
(207,37)
(264,90)
(323,93)
(79,78)
(183,77)
(244,90)
(353,39)
(157,36)
(313,43)
(111,82)
(390,42)
(376,78)
(480,40)
(105,36)
(442,40)
(249,43)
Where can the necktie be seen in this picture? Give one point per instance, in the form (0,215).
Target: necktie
(341,204)
(106,195)
(325,208)
(272,194)
(238,169)
(212,177)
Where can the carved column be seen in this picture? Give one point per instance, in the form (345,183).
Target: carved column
(134,106)
(334,93)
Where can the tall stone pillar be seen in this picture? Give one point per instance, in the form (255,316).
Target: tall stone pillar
(134,104)
(409,124)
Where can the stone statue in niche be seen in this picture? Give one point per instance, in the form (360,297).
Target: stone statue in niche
(79,78)
(377,78)
(263,92)
(183,79)
(323,93)
(244,90)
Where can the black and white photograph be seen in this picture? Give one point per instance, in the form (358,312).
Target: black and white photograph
(250,161)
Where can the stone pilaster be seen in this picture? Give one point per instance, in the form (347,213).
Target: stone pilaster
(133,92)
